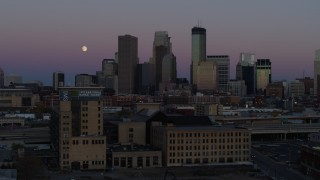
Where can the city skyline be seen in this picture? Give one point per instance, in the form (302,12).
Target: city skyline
(39,38)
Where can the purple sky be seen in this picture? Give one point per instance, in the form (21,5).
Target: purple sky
(40,37)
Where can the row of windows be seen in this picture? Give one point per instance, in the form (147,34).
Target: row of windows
(128,161)
(194,141)
(97,162)
(206,160)
(99,141)
(224,134)
(208,153)
(212,147)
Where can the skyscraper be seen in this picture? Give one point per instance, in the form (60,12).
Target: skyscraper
(263,73)
(246,71)
(107,77)
(1,78)
(316,70)
(207,76)
(198,51)
(161,47)
(223,71)
(169,69)
(85,80)
(127,63)
(58,80)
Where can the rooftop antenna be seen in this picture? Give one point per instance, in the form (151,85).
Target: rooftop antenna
(303,74)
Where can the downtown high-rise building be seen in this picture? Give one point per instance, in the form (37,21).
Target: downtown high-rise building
(316,71)
(169,69)
(206,76)
(246,71)
(108,76)
(127,63)
(161,48)
(58,80)
(85,80)
(198,51)
(1,78)
(222,63)
(263,70)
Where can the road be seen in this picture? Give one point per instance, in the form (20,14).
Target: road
(276,170)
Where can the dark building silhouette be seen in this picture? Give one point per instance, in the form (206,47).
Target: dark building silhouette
(127,63)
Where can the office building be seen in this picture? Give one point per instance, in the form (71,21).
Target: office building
(81,142)
(193,141)
(18,98)
(135,156)
(1,78)
(223,71)
(169,69)
(127,63)
(296,89)
(263,67)
(85,80)
(107,77)
(246,71)
(275,89)
(58,80)
(206,76)
(145,78)
(237,88)
(316,70)
(161,48)
(198,51)
(308,85)
(12,79)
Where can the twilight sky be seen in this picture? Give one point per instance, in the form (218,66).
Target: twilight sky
(39,37)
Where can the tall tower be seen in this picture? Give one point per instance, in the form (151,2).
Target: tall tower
(169,69)
(263,73)
(57,80)
(246,71)
(127,63)
(223,68)
(198,51)
(1,78)
(316,70)
(161,47)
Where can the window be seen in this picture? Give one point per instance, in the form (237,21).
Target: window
(155,160)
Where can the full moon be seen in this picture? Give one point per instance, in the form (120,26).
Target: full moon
(84,48)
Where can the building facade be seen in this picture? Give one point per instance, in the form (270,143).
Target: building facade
(108,76)
(207,76)
(198,51)
(223,71)
(85,80)
(316,66)
(201,145)
(237,88)
(169,69)
(296,89)
(1,78)
(81,141)
(263,73)
(18,98)
(246,71)
(127,63)
(58,80)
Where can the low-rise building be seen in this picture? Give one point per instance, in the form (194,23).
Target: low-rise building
(189,141)
(134,156)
